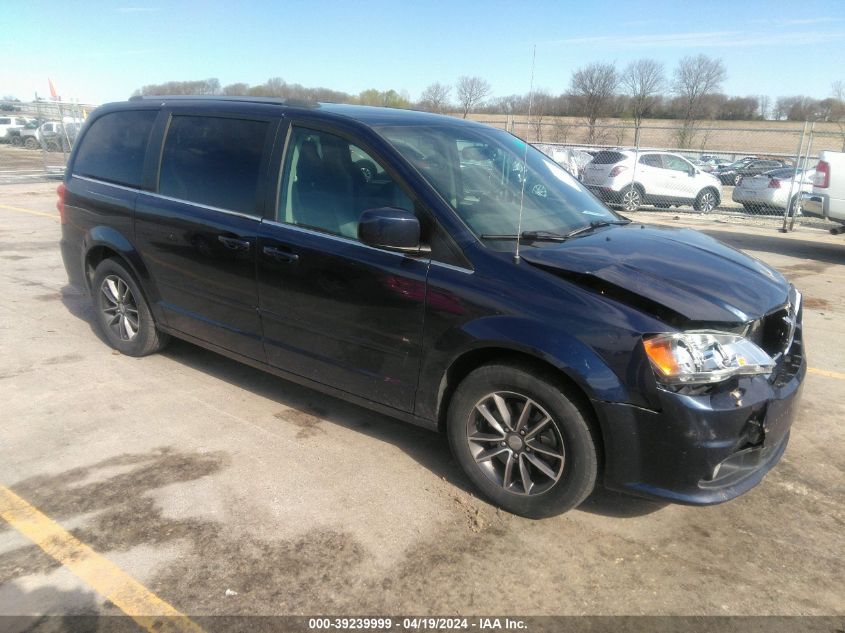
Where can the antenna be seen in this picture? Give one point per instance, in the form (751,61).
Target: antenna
(525,159)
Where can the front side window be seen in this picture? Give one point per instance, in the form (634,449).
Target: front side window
(485,175)
(214,161)
(114,147)
(675,163)
(328,182)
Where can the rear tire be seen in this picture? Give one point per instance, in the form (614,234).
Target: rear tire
(632,198)
(30,143)
(122,311)
(522,440)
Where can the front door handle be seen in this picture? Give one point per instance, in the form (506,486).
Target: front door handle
(234,243)
(285,257)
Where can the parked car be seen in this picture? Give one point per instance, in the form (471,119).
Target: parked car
(553,341)
(633,178)
(8,123)
(827,199)
(777,189)
(733,173)
(710,163)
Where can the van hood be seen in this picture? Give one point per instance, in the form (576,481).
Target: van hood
(669,272)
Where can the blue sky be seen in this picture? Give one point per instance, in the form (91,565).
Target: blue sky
(102,51)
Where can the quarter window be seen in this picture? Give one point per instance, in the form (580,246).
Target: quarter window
(114,147)
(214,161)
(328,182)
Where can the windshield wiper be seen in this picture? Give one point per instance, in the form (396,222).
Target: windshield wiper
(592,226)
(551,236)
(531,236)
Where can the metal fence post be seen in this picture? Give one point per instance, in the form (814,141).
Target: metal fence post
(797,206)
(794,175)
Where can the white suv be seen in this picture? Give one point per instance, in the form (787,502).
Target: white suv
(633,178)
(10,122)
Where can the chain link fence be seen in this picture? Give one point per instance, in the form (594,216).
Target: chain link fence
(745,170)
(36,138)
(754,171)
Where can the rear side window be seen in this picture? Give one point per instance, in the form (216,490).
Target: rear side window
(114,146)
(608,158)
(214,161)
(651,160)
(5,121)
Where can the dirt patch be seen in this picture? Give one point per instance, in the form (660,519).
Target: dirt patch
(51,296)
(803,269)
(815,303)
(64,359)
(308,422)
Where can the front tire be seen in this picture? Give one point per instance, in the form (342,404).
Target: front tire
(122,311)
(522,440)
(706,201)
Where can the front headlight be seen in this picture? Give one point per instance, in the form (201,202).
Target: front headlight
(703,357)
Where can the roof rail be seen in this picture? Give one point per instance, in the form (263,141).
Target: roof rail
(297,103)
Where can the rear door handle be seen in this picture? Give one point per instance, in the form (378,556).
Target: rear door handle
(234,243)
(286,257)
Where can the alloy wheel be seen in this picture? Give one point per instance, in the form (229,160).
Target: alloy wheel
(515,443)
(631,200)
(120,308)
(708,202)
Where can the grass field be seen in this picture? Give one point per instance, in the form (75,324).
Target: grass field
(729,137)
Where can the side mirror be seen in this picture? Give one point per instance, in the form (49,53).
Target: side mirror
(390,228)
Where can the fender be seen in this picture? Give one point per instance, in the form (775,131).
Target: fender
(113,239)
(540,340)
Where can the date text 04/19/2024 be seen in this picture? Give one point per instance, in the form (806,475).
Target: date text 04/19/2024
(417,624)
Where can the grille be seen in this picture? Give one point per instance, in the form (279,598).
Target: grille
(775,332)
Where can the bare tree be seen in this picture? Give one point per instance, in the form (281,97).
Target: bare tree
(542,105)
(765,105)
(471,91)
(696,78)
(642,80)
(593,88)
(239,89)
(435,98)
(837,109)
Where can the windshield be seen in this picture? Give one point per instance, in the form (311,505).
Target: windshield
(480,173)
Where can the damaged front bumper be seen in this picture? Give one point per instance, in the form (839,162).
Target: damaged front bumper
(706,448)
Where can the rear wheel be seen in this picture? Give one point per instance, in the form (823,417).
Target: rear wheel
(706,201)
(522,441)
(31,142)
(122,311)
(632,198)
(794,209)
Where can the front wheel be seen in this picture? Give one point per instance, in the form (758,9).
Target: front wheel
(522,441)
(706,201)
(122,311)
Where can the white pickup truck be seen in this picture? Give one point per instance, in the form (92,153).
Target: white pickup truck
(827,199)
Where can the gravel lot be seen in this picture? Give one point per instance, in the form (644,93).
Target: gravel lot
(197,475)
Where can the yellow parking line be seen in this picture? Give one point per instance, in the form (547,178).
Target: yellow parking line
(827,372)
(22,210)
(110,581)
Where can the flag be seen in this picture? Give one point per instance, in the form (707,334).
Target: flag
(53,94)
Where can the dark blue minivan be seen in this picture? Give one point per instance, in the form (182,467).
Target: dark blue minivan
(445,273)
